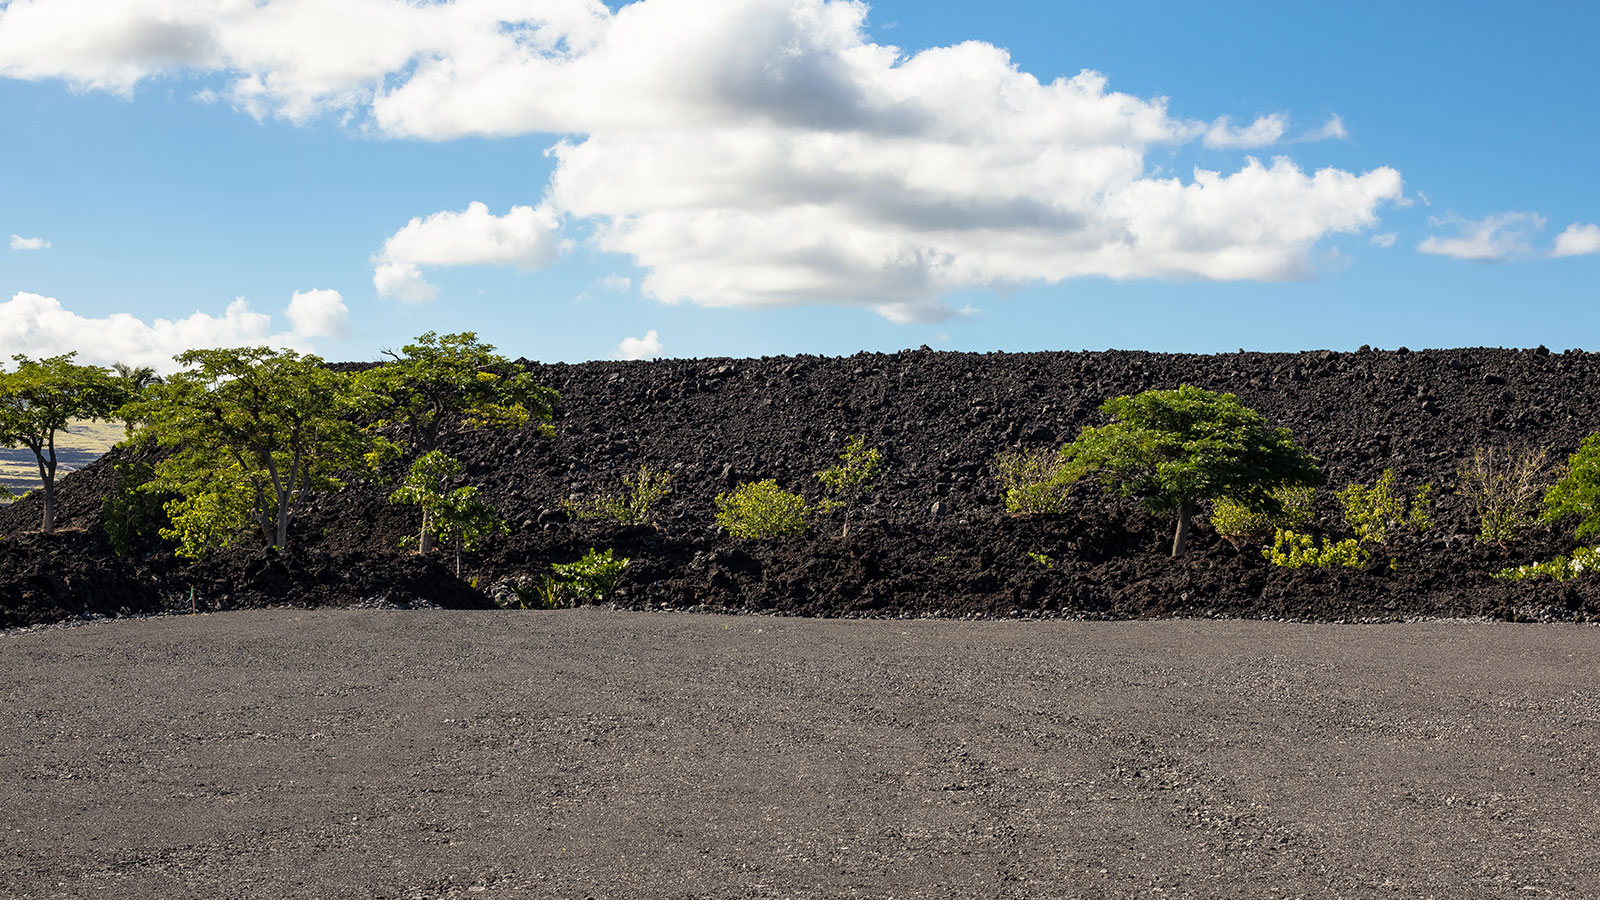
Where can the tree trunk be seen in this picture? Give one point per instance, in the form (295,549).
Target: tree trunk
(1180,541)
(425,539)
(47,481)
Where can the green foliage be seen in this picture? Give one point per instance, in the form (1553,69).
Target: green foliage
(1378,512)
(456,516)
(638,503)
(252,432)
(856,474)
(443,385)
(590,579)
(131,514)
(1235,520)
(1170,449)
(1293,550)
(1582,560)
(1035,482)
(1042,559)
(1577,494)
(134,381)
(1504,487)
(39,398)
(761,509)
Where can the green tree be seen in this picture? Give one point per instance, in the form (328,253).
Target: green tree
(1577,494)
(457,516)
(134,380)
(853,478)
(252,433)
(39,399)
(1171,449)
(440,386)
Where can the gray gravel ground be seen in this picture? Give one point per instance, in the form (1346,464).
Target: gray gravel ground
(356,754)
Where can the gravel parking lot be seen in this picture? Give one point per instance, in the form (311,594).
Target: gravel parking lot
(587,753)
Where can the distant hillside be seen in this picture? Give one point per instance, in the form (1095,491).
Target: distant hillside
(82,444)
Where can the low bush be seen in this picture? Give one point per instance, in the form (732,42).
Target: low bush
(1582,560)
(1378,513)
(1577,494)
(1503,486)
(762,510)
(640,500)
(1236,521)
(131,515)
(591,579)
(1293,550)
(1034,482)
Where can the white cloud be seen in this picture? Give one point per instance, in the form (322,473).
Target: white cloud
(1262,132)
(619,283)
(1331,130)
(1385,239)
(18,242)
(39,326)
(1496,238)
(318,314)
(1578,240)
(524,237)
(647,347)
(740,152)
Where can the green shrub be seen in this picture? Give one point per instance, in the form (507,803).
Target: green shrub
(761,509)
(1042,559)
(1582,560)
(1377,513)
(853,478)
(590,579)
(1293,550)
(1235,520)
(131,514)
(1035,482)
(1503,486)
(636,505)
(1577,494)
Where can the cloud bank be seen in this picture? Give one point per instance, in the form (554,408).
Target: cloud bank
(740,152)
(40,326)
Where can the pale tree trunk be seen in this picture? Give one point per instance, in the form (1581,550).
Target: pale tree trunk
(1180,541)
(47,480)
(425,539)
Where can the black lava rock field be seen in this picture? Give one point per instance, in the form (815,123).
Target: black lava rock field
(934,539)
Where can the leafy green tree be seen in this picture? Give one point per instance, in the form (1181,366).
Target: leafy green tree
(134,381)
(1171,449)
(457,516)
(853,478)
(440,386)
(39,399)
(1577,494)
(252,433)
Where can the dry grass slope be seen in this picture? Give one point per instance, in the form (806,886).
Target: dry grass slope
(81,444)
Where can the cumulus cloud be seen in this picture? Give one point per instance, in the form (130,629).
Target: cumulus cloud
(1578,240)
(525,237)
(318,314)
(1260,133)
(647,347)
(1386,239)
(18,242)
(1496,238)
(41,326)
(742,152)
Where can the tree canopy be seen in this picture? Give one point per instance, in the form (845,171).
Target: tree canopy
(1171,449)
(253,432)
(1577,494)
(39,399)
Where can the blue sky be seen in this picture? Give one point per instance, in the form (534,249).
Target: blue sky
(758,177)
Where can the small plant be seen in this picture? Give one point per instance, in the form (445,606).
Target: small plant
(638,503)
(1293,550)
(1377,513)
(1583,559)
(761,510)
(1236,521)
(1503,485)
(1042,559)
(1577,494)
(207,521)
(1035,482)
(457,516)
(590,579)
(853,478)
